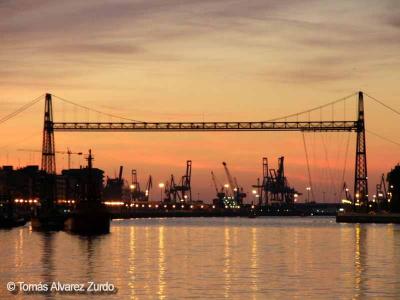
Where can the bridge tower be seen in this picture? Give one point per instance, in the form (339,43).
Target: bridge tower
(361,176)
(48,147)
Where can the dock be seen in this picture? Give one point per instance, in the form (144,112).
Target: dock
(354,217)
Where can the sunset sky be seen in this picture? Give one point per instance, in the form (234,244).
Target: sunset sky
(202,60)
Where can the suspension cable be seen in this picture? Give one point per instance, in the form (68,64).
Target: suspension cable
(383,137)
(345,163)
(383,104)
(21,109)
(313,109)
(95,110)
(308,164)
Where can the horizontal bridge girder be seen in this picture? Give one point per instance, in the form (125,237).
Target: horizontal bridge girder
(208,126)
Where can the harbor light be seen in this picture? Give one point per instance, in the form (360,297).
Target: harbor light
(132,186)
(226,185)
(161,185)
(254,192)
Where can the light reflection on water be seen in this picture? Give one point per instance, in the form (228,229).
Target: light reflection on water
(235,258)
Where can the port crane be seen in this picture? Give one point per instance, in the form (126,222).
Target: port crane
(237,192)
(275,187)
(381,191)
(68,152)
(136,192)
(149,186)
(183,191)
(219,189)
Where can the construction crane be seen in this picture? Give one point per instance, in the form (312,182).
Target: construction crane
(68,152)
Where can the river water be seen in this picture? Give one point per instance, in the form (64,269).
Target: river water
(211,258)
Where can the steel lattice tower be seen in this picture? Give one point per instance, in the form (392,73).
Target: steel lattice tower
(361,176)
(48,147)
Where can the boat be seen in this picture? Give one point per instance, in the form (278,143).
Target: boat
(48,222)
(90,217)
(10,222)
(8,216)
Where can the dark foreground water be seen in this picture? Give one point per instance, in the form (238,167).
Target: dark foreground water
(211,258)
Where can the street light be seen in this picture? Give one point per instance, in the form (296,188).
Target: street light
(161,186)
(132,187)
(254,194)
(308,193)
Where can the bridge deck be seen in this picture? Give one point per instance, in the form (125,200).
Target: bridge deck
(208,126)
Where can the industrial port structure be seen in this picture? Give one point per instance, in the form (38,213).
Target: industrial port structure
(273,188)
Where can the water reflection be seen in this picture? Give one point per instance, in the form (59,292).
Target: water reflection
(254,263)
(161,264)
(358,264)
(227,261)
(302,258)
(132,262)
(47,260)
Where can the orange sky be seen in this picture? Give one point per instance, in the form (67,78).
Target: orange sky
(209,60)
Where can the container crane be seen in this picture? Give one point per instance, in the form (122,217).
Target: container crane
(181,192)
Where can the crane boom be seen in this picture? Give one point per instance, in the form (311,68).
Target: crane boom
(215,182)
(230,178)
(68,152)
